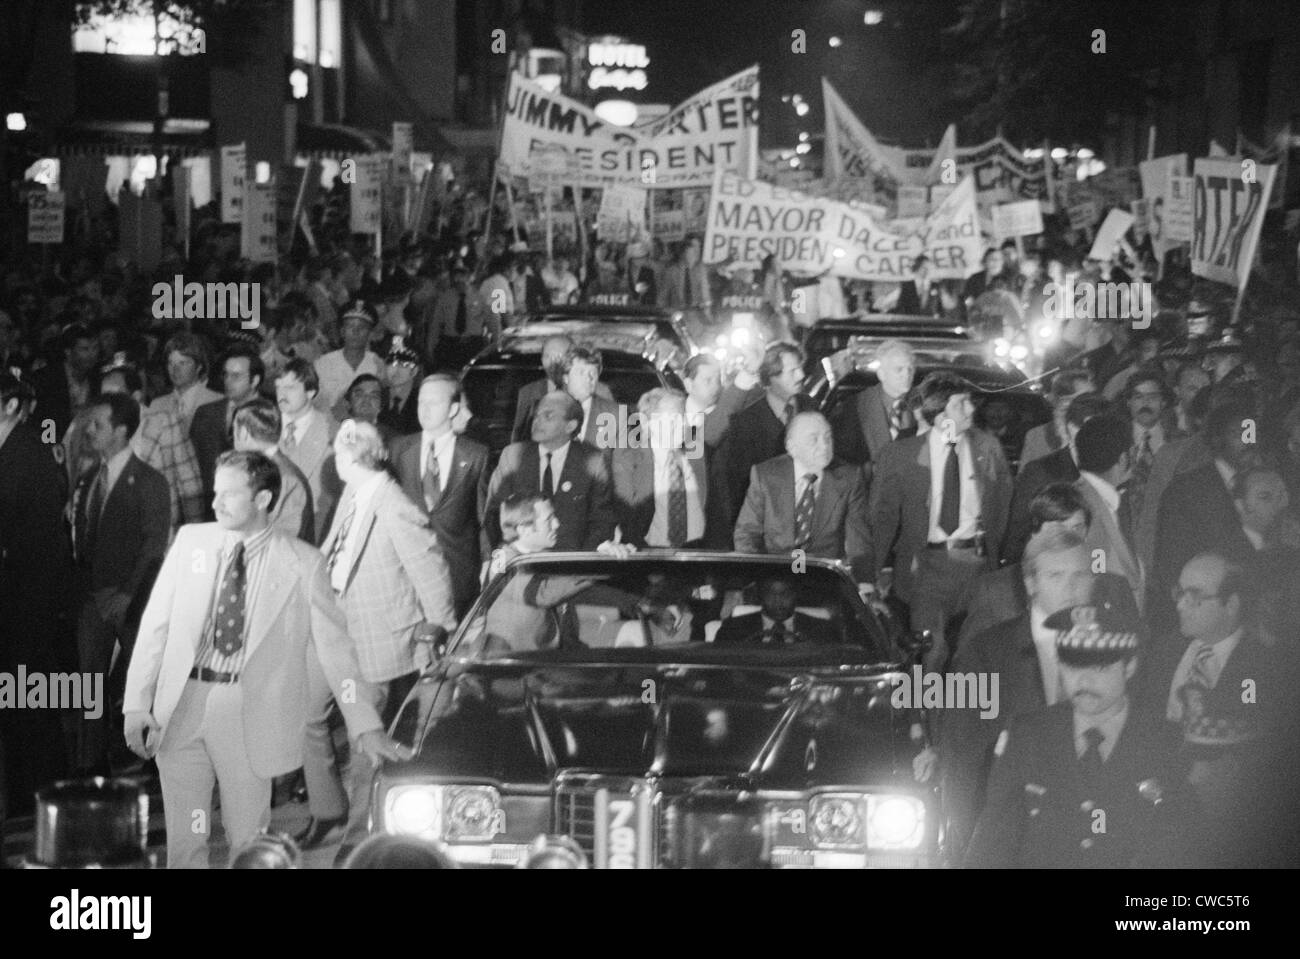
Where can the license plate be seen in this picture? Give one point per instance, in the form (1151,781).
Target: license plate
(623,830)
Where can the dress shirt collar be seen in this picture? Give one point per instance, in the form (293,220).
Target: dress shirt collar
(1110,727)
(253,544)
(800,471)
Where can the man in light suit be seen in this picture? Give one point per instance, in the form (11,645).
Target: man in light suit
(578,374)
(660,489)
(801,500)
(257,430)
(1105,463)
(241,376)
(447,475)
(879,414)
(939,502)
(307,438)
(216,686)
(121,516)
(573,475)
(390,575)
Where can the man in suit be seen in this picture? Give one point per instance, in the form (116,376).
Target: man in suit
(757,432)
(1059,466)
(1051,436)
(390,576)
(447,476)
(939,503)
(187,369)
(578,374)
(241,379)
(400,413)
(1196,511)
(1105,464)
(35,564)
(1178,456)
(308,437)
(879,414)
(1088,759)
(573,475)
(661,490)
(999,595)
(257,430)
(1152,428)
(1231,694)
(919,296)
(802,501)
(63,389)
(120,529)
(710,407)
(1056,574)
(217,686)
(778,621)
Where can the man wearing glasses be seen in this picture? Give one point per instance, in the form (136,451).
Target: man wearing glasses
(1232,693)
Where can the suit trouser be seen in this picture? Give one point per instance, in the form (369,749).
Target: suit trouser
(204,743)
(941,593)
(96,637)
(327,796)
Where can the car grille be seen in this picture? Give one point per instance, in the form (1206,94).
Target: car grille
(576,816)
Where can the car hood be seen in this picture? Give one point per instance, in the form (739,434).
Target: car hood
(771,728)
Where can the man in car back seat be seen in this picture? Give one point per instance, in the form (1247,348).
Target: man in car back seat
(777,622)
(521,618)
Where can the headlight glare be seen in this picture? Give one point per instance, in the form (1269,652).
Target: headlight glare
(414,811)
(1019,352)
(895,822)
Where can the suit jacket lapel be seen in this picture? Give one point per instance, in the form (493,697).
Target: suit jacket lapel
(828,496)
(279,572)
(362,525)
(408,465)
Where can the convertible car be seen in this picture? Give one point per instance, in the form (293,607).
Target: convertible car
(667,710)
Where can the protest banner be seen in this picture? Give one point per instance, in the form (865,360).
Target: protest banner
(234,161)
(1112,231)
(1155,176)
(1141,210)
(851,150)
(1228,207)
(1083,214)
(258,236)
(1024,218)
(695,210)
(716,128)
(1001,172)
(403,146)
(45,217)
(749,220)
(1177,210)
(622,214)
(366,207)
(913,201)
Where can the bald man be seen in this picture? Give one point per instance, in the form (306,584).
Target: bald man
(803,500)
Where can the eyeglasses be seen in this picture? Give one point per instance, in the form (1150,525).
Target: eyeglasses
(1195,596)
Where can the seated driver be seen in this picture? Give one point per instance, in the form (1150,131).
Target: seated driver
(521,618)
(777,622)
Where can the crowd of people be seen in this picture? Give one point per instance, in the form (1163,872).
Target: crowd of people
(243,527)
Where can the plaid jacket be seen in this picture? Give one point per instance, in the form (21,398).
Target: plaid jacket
(398,581)
(161,442)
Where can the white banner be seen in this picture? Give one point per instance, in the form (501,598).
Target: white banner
(715,129)
(749,220)
(1177,210)
(234,163)
(1228,208)
(1112,231)
(403,146)
(367,194)
(258,237)
(1017,219)
(45,217)
(1156,175)
(622,214)
(851,150)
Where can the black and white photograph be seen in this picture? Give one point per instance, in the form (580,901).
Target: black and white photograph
(651,434)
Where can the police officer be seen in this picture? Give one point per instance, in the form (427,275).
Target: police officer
(1083,783)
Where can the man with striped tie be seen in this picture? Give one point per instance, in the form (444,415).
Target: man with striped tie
(661,487)
(217,685)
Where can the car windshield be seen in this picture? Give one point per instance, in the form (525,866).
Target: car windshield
(571,607)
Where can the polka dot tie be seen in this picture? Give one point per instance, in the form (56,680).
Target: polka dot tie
(230,605)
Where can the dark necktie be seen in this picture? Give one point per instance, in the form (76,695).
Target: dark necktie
(336,550)
(98,492)
(677,521)
(789,412)
(548,479)
(950,506)
(228,634)
(901,420)
(777,633)
(462,317)
(432,480)
(1091,760)
(803,511)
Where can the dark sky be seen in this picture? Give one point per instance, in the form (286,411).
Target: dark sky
(692,43)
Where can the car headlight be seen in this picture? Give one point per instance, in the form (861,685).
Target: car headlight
(1019,352)
(836,821)
(895,822)
(741,335)
(721,339)
(1046,331)
(1001,347)
(446,813)
(414,811)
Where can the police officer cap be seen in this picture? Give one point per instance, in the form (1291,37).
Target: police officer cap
(1098,634)
(362,310)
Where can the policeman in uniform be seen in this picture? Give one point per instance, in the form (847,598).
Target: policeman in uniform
(1083,783)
